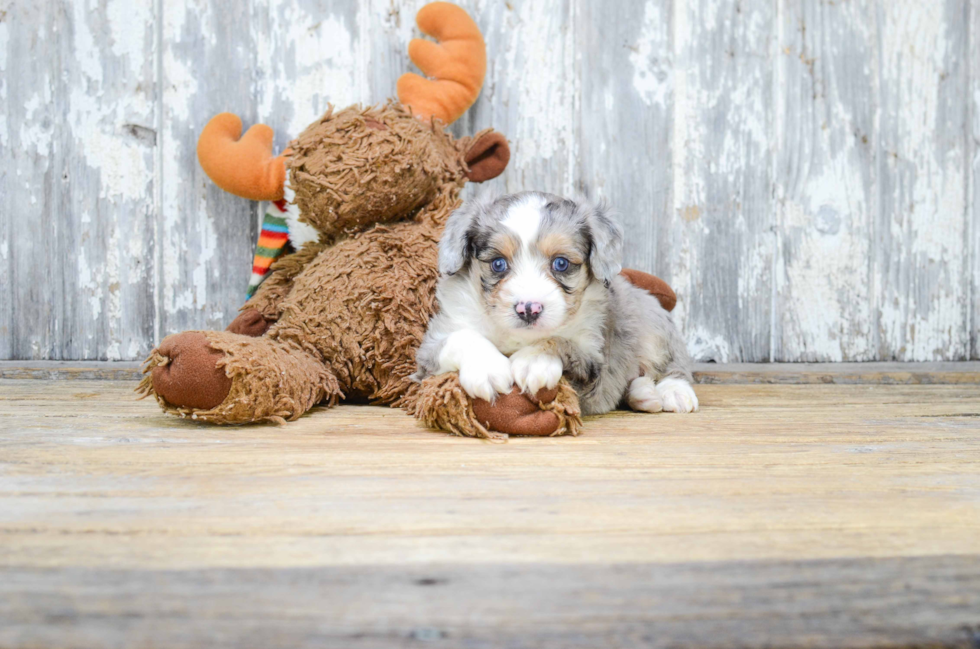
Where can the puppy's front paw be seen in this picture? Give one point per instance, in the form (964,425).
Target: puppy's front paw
(677,395)
(533,370)
(484,375)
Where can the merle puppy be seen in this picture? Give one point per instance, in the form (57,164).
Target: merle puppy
(530,290)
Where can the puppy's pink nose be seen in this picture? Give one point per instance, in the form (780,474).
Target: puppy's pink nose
(529,311)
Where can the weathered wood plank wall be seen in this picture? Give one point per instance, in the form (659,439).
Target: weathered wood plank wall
(804,172)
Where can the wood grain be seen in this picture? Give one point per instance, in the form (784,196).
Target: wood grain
(722,217)
(921,235)
(963,372)
(894,373)
(206,237)
(825,181)
(77,143)
(531,92)
(626,123)
(833,604)
(802,172)
(973,179)
(820,515)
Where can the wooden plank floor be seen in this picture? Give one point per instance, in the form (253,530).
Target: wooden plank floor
(780,515)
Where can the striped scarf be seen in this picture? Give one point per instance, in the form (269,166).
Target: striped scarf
(273,244)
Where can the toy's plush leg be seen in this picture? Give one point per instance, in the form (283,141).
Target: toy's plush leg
(250,322)
(264,308)
(440,402)
(227,378)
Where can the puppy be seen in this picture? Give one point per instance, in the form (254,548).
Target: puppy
(530,290)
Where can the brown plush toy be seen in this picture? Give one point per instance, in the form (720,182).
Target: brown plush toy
(342,317)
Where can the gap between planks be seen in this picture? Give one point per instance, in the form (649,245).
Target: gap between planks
(890,373)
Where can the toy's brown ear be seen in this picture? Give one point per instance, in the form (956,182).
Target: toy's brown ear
(487,157)
(652,285)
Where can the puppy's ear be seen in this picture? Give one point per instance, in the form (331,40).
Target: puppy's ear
(606,251)
(455,246)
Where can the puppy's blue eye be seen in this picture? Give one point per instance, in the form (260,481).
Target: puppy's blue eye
(498,265)
(560,264)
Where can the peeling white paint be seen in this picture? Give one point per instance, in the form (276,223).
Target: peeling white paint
(4,44)
(99,284)
(922,313)
(825,188)
(113,298)
(182,272)
(853,275)
(312,61)
(708,346)
(90,281)
(720,146)
(973,197)
(652,76)
(138,261)
(533,79)
(35,134)
(208,245)
(96,123)
(112,352)
(86,49)
(182,85)
(684,144)
(128,23)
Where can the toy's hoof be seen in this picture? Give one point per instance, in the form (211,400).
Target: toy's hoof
(518,414)
(249,323)
(192,378)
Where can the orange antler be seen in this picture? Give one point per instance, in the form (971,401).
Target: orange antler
(457,64)
(244,167)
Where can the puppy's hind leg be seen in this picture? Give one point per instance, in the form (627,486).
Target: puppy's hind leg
(677,395)
(643,395)
(674,380)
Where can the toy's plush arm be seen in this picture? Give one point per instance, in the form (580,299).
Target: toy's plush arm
(270,294)
(264,308)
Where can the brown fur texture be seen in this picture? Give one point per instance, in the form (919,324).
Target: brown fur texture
(348,174)
(271,380)
(440,402)
(344,316)
(347,313)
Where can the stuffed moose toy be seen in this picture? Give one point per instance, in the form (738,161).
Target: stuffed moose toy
(365,193)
